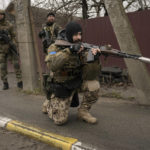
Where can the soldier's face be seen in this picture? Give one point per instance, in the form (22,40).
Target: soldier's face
(1,16)
(77,37)
(50,18)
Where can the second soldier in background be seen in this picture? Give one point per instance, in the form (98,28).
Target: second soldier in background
(49,31)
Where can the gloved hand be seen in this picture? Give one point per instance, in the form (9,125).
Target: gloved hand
(75,48)
(106,47)
(42,34)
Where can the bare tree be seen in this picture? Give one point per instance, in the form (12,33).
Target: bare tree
(88,8)
(63,7)
(84,9)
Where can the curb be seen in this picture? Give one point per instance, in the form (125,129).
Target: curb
(58,141)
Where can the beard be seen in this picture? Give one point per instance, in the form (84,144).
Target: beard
(77,41)
(49,23)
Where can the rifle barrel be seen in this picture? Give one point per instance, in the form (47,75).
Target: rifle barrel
(104,50)
(144,59)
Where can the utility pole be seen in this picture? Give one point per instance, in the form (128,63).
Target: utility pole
(25,43)
(127,42)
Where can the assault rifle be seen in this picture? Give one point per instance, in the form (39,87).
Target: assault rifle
(47,39)
(4,38)
(105,50)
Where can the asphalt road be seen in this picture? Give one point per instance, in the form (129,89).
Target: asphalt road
(13,141)
(123,125)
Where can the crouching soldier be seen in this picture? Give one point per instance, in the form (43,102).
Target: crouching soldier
(69,72)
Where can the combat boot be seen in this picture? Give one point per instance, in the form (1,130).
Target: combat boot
(20,85)
(84,114)
(5,86)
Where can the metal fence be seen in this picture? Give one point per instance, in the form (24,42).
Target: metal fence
(99,31)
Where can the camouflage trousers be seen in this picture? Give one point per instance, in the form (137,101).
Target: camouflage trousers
(58,108)
(4,57)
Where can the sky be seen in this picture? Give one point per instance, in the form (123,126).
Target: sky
(4,3)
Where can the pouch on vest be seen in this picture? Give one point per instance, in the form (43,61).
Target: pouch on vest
(60,91)
(64,90)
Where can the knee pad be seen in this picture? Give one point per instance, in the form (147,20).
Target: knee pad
(91,85)
(91,90)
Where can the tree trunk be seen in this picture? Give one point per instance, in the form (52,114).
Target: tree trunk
(127,42)
(84,9)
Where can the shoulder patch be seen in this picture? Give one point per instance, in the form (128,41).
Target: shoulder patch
(52,53)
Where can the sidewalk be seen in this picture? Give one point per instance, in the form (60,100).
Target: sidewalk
(123,125)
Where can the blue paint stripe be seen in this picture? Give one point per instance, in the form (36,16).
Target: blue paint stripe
(52,53)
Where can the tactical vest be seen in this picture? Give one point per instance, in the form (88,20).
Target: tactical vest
(71,70)
(66,79)
(51,31)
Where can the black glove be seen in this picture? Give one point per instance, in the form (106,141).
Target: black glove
(75,48)
(42,34)
(106,47)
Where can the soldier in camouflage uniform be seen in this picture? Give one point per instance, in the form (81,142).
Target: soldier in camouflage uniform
(48,34)
(5,54)
(49,31)
(70,71)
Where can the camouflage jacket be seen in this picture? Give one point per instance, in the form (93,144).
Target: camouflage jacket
(62,63)
(65,66)
(7,26)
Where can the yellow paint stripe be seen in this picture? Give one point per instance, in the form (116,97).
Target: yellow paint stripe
(71,140)
(65,143)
